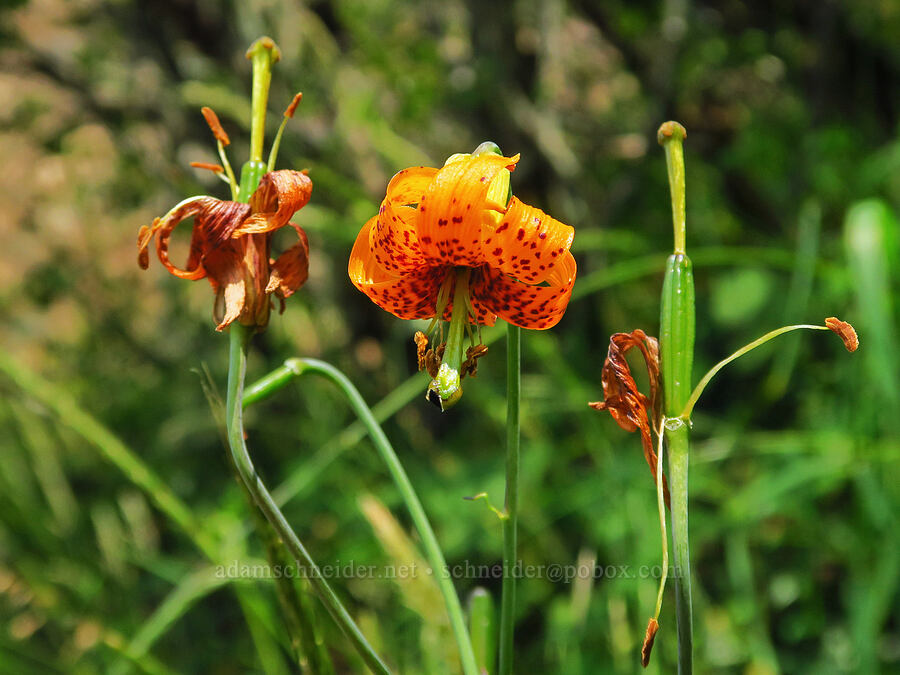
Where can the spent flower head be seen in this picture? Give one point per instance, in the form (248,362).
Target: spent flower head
(231,240)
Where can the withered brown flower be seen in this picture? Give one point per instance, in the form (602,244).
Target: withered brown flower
(631,409)
(230,245)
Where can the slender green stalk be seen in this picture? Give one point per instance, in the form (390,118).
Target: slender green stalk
(679,446)
(676,343)
(511,508)
(296,367)
(698,390)
(239,336)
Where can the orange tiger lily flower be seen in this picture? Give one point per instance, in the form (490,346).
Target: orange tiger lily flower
(448,244)
(230,245)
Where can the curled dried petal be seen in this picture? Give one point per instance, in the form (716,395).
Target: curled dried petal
(280,194)
(631,409)
(291,269)
(845,331)
(214,125)
(649,637)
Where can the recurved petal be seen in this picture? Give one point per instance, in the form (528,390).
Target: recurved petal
(162,229)
(527,243)
(291,269)
(410,295)
(279,196)
(451,210)
(408,186)
(536,307)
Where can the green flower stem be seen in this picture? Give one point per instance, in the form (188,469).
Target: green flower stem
(679,446)
(511,508)
(698,390)
(676,344)
(294,368)
(239,337)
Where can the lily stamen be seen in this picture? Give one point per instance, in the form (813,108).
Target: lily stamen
(212,120)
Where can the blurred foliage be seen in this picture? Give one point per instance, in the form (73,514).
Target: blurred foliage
(793,162)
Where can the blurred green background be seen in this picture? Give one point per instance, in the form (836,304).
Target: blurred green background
(793,166)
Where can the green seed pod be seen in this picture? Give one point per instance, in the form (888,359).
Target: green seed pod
(676,340)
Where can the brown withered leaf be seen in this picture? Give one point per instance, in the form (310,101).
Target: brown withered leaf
(649,637)
(845,331)
(631,409)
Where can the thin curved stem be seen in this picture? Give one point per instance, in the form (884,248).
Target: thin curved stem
(237,364)
(296,367)
(711,373)
(511,510)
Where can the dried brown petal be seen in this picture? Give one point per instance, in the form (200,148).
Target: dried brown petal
(421,347)
(280,194)
(631,409)
(214,125)
(215,168)
(292,108)
(144,236)
(846,332)
(291,269)
(647,647)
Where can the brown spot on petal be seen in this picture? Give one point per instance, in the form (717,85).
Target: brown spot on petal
(845,331)
(647,647)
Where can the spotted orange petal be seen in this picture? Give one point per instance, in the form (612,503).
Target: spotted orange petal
(451,211)
(291,269)
(536,307)
(279,196)
(393,238)
(408,186)
(410,295)
(527,243)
